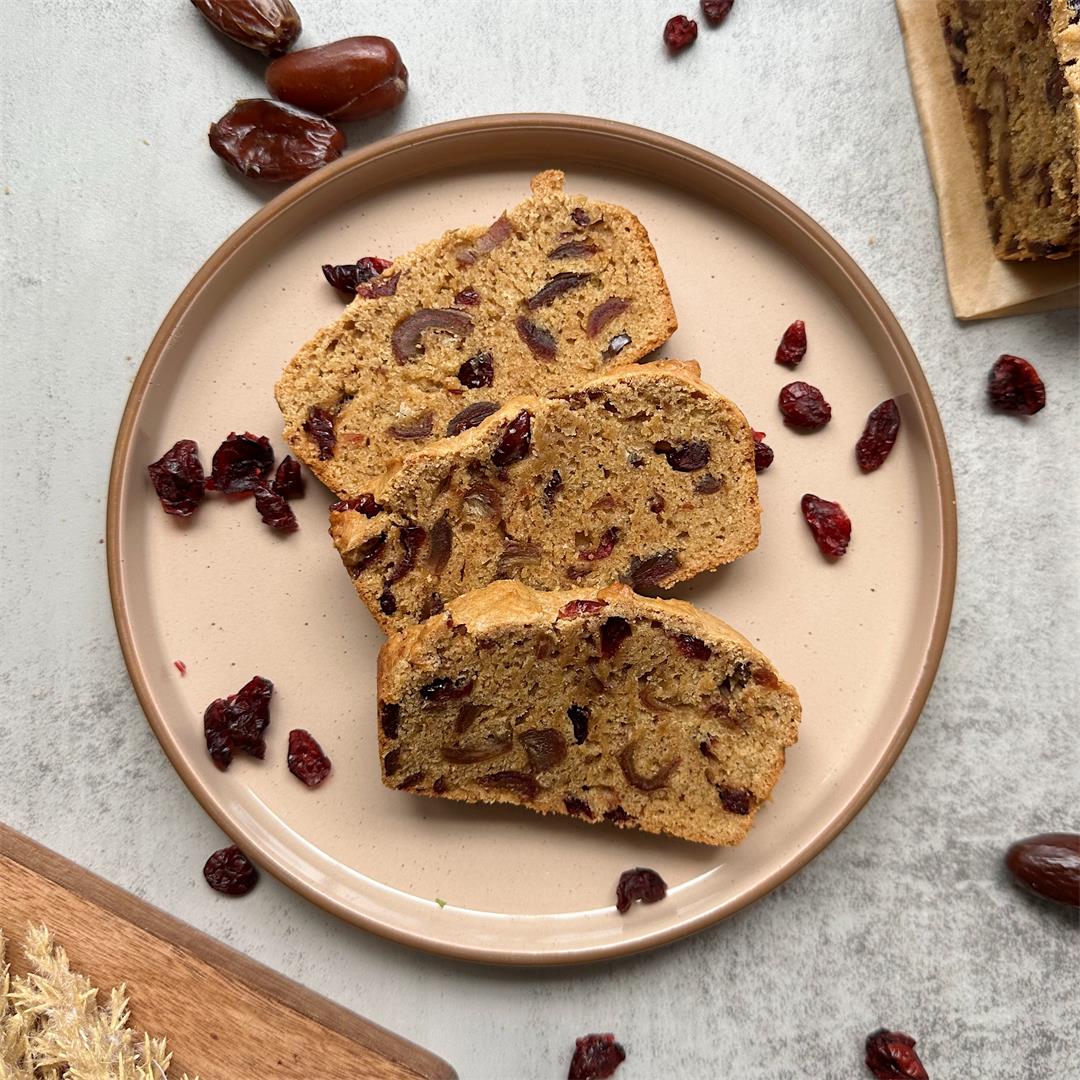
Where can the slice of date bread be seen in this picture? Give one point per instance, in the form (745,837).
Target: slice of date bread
(607,706)
(644,475)
(1015,66)
(548,296)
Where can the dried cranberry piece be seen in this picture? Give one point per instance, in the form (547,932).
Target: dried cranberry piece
(604,548)
(612,634)
(577,807)
(615,346)
(237,722)
(829,524)
(405,341)
(229,871)
(689,457)
(604,312)
(521,784)
(383,286)
(241,464)
(515,442)
(656,503)
(467,298)
(763,453)
(734,800)
(579,718)
(471,416)
(178,479)
(596,1057)
(716,11)
(651,571)
(708,484)
(580,217)
(346,276)
(288,480)
(551,489)
(574,249)
(1015,386)
(477,371)
(792,347)
(417,427)
(389,718)
(804,407)
(363,504)
(891,1055)
(412,540)
(692,647)
(320,426)
(180,666)
(575,609)
(306,759)
(679,32)
(366,554)
(878,437)
(617,814)
(275,511)
(441,690)
(641,884)
(541,342)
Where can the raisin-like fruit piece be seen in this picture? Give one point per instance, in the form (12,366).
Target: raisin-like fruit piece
(268,26)
(320,426)
(1048,865)
(380,286)
(412,540)
(639,779)
(716,11)
(178,479)
(1015,386)
(579,719)
(389,718)
(275,511)
(521,784)
(544,747)
(366,554)
(577,807)
(363,504)
(467,298)
(515,442)
(687,457)
(387,602)
(792,347)
(552,290)
(441,690)
(656,503)
(890,1055)
(878,437)
(229,871)
(267,141)
(580,217)
(406,341)
(708,484)
(604,548)
(651,571)
(478,371)
(346,277)
(551,489)
(574,249)
(497,234)
(612,634)
(829,524)
(241,464)
(734,800)
(417,427)
(604,312)
(596,1057)
(641,884)
(763,453)
(692,647)
(288,480)
(237,722)
(541,342)
(679,32)
(804,407)
(575,609)
(471,416)
(306,759)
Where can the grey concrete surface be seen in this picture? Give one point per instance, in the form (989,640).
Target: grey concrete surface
(110,200)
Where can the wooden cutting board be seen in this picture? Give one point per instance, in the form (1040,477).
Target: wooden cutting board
(224,1015)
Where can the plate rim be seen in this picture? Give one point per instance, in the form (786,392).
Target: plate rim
(730,173)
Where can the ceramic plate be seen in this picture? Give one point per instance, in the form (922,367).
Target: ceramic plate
(861,638)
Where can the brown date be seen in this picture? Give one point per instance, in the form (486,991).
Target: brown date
(349,79)
(1048,865)
(268,26)
(268,141)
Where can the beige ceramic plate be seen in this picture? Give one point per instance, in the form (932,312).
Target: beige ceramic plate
(860,639)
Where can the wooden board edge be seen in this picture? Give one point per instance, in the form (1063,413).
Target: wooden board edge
(48,864)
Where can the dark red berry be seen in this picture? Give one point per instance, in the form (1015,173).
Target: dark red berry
(693,648)
(612,634)
(604,548)
(306,759)
(1015,386)
(363,504)
(275,511)
(829,524)
(237,722)
(716,11)
(687,457)
(638,884)
(575,609)
(551,489)
(515,442)
(763,453)
(413,538)
(178,479)
(734,800)
(890,1055)
(230,872)
(580,217)
(441,690)
(792,347)
(477,371)
(467,298)
(596,1057)
(346,276)
(382,286)
(387,602)
(288,480)
(878,437)
(679,32)
(804,407)
(320,426)
(180,666)
(241,464)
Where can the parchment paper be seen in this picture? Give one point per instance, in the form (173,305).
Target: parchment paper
(980,285)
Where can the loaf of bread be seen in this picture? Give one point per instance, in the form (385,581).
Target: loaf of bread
(644,474)
(551,294)
(1015,66)
(603,705)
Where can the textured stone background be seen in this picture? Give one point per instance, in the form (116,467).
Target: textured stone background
(111,200)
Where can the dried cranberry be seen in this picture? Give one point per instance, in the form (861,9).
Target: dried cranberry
(288,480)
(575,609)
(612,634)
(763,453)
(829,524)
(656,503)
(692,647)
(320,426)
(515,441)
(679,32)
(477,371)
(651,571)
(441,690)
(708,484)
(346,276)
(382,286)
(363,504)
(178,479)
(890,1055)
(638,884)
(792,347)
(604,548)
(804,407)
(230,872)
(541,342)
(389,717)
(734,800)
(716,11)
(1015,386)
(180,666)
(367,553)
(387,602)
(578,807)
(275,511)
(412,540)
(688,457)
(306,759)
(561,283)
(596,1057)
(878,437)
(467,298)
(237,722)
(241,463)
(617,815)
(580,217)
(551,489)
(579,718)
(470,416)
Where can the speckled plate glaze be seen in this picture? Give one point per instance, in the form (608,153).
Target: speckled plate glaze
(861,639)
